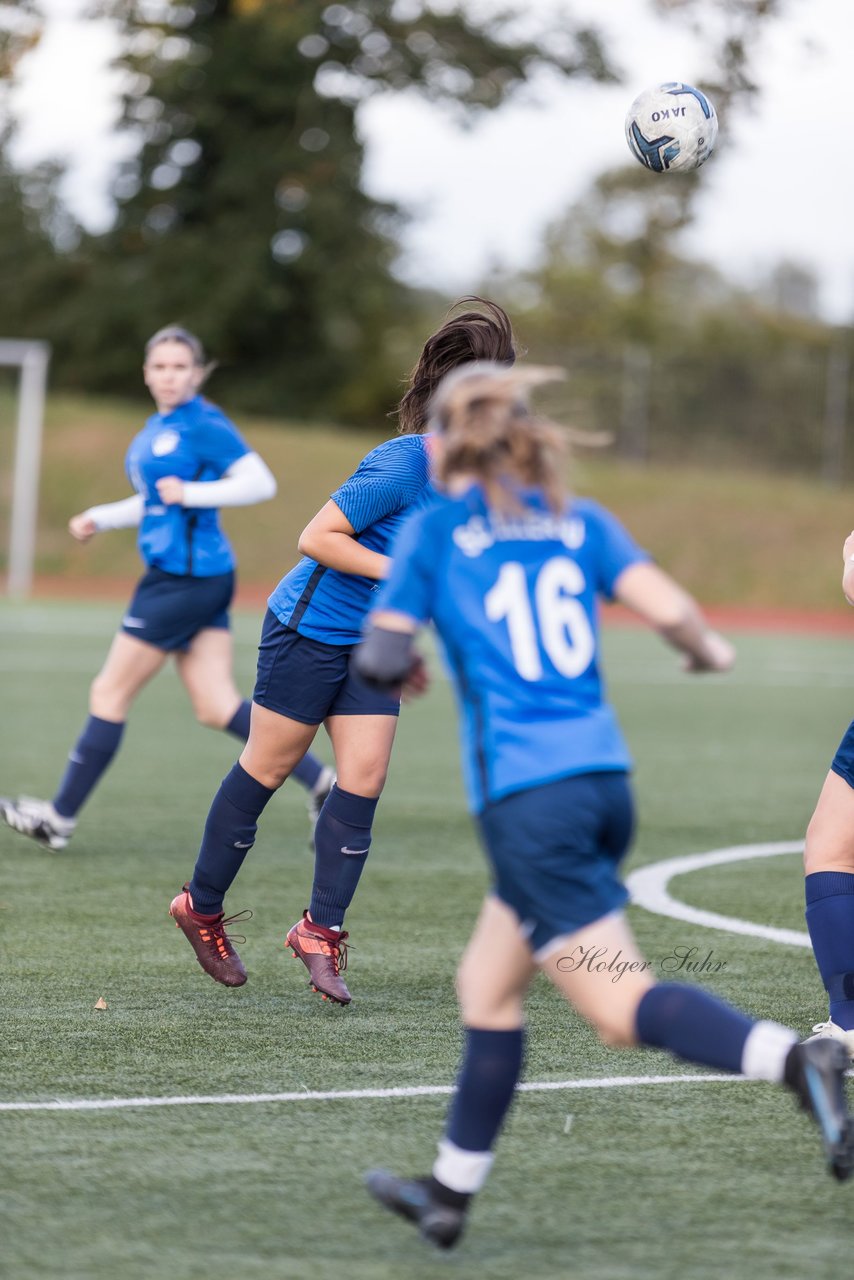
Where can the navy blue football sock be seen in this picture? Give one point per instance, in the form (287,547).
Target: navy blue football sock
(229,835)
(693,1025)
(830,920)
(239,722)
(342,839)
(87,760)
(491,1066)
(307,771)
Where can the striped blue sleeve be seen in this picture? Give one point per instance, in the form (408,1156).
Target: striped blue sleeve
(389,479)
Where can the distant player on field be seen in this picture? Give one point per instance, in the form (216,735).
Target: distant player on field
(508,568)
(304,680)
(187,461)
(829,867)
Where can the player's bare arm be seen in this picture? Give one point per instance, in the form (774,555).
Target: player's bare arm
(675,615)
(848,568)
(331,540)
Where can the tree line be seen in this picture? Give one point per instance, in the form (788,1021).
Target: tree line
(241,213)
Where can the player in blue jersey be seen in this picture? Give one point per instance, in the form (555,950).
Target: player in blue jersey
(304,680)
(509,570)
(829,868)
(188,461)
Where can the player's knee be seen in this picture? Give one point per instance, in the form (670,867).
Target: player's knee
(476,1006)
(616,1029)
(825,849)
(210,715)
(812,841)
(478,1009)
(811,858)
(100,688)
(272,776)
(467,993)
(268,767)
(480,1006)
(617,1037)
(372,778)
(105,698)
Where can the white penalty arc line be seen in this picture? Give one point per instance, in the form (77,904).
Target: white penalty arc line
(648,888)
(333,1095)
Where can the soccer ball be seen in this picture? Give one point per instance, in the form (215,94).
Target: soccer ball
(671,126)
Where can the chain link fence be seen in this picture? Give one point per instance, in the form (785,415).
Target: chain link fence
(787,412)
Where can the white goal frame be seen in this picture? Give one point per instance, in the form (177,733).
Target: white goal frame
(32,358)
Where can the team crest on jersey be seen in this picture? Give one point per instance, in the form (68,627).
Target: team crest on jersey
(479,534)
(164,442)
(474,537)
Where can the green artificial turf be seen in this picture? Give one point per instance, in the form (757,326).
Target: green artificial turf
(643,1182)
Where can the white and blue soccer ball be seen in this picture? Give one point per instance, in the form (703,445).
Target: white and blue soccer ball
(671,126)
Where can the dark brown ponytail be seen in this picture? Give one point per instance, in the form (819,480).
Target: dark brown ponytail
(471,335)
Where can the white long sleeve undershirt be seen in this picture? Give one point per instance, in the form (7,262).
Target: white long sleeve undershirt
(124,514)
(246,481)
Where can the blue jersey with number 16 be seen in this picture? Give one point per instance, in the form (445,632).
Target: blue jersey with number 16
(514,599)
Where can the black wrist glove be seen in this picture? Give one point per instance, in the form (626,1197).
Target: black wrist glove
(384,658)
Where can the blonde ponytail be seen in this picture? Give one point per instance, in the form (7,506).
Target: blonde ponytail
(489,432)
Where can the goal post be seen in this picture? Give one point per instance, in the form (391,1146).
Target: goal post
(32,358)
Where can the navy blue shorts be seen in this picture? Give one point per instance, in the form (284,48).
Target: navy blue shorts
(307,680)
(169,609)
(843,762)
(555,851)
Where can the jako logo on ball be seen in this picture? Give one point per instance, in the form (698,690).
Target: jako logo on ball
(671,126)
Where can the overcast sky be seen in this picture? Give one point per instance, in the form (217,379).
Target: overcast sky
(782,185)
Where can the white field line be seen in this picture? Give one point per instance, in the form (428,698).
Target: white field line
(648,889)
(333,1095)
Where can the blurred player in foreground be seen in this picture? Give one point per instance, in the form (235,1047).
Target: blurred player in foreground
(829,867)
(304,680)
(509,569)
(187,461)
